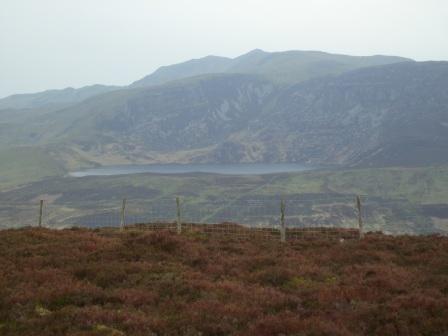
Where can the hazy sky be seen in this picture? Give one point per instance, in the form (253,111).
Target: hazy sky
(58,43)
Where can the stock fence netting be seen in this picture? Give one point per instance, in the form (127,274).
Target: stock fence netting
(329,215)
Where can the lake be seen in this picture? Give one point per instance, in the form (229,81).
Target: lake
(227,169)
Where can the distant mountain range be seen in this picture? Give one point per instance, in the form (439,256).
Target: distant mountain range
(281,67)
(296,106)
(51,98)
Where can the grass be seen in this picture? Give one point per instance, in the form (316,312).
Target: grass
(419,185)
(400,200)
(106,282)
(20,165)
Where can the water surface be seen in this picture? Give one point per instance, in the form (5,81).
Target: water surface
(228,169)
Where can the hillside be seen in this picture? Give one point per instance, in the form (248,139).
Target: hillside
(103,282)
(26,164)
(195,67)
(374,116)
(51,98)
(174,122)
(396,201)
(391,115)
(280,67)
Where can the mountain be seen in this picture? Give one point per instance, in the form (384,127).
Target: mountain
(194,67)
(51,98)
(388,115)
(280,67)
(175,122)
(378,116)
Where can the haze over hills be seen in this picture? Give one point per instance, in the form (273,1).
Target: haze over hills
(281,67)
(52,98)
(388,115)
(304,107)
(219,189)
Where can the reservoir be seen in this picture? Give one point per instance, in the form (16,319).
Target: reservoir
(227,169)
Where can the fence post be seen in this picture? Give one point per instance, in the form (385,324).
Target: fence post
(41,208)
(123,214)
(282,221)
(178,216)
(360,223)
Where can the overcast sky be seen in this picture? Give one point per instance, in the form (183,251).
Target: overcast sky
(52,44)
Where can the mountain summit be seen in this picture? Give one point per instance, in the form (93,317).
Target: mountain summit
(297,106)
(281,67)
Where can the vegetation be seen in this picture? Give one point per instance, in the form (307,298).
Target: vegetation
(107,282)
(22,165)
(245,117)
(50,98)
(420,184)
(410,200)
(280,67)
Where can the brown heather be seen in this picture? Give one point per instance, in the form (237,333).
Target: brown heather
(106,282)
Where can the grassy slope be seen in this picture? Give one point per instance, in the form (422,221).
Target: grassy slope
(282,67)
(397,199)
(103,282)
(26,164)
(298,66)
(421,185)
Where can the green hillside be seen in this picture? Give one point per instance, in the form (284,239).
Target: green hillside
(51,98)
(372,116)
(21,165)
(396,200)
(354,119)
(280,67)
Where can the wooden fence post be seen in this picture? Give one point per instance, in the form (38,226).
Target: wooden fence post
(178,216)
(360,223)
(123,215)
(41,208)
(282,221)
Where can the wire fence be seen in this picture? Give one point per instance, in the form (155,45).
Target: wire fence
(330,216)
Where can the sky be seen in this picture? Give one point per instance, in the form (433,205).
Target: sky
(53,44)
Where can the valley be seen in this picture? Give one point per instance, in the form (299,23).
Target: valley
(201,112)
(396,200)
(161,175)
(375,125)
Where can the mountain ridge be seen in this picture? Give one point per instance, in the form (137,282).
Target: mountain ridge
(382,115)
(51,97)
(377,116)
(282,67)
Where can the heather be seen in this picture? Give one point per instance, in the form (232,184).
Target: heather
(135,282)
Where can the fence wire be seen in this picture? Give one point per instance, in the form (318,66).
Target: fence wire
(329,216)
